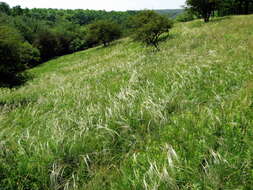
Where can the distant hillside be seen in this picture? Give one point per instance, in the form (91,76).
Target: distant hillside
(170,12)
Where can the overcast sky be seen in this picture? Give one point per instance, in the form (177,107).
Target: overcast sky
(99,4)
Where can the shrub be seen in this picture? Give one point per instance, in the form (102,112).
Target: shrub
(103,31)
(148,26)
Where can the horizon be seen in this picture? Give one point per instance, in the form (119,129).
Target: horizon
(108,5)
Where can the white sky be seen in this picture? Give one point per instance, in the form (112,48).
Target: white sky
(99,4)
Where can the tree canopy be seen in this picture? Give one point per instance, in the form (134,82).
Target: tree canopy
(204,8)
(148,26)
(103,31)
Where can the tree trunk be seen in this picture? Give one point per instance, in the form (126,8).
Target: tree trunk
(206,19)
(105,43)
(156,46)
(246,11)
(240,7)
(206,15)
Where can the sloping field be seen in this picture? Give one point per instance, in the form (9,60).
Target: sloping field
(126,117)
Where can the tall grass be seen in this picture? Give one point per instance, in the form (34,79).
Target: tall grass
(126,117)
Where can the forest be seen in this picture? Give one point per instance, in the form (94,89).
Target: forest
(32,36)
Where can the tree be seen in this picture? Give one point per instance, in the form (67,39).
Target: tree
(47,43)
(103,31)
(29,55)
(5,8)
(244,6)
(203,8)
(28,27)
(148,26)
(15,55)
(16,11)
(230,7)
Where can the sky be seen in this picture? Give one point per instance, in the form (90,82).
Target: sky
(118,5)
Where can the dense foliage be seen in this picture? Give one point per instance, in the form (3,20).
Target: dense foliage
(103,31)
(148,26)
(203,8)
(206,8)
(229,7)
(16,56)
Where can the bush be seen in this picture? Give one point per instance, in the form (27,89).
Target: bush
(103,31)
(148,26)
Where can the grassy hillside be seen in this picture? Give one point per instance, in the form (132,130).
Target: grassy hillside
(126,117)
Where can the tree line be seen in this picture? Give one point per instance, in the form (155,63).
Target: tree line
(207,8)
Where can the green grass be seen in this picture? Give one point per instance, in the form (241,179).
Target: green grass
(126,117)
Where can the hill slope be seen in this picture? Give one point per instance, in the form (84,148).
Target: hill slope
(125,117)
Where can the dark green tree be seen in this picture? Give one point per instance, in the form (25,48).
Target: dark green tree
(103,31)
(28,27)
(148,26)
(244,6)
(203,8)
(235,7)
(47,43)
(16,11)
(15,56)
(29,55)
(5,8)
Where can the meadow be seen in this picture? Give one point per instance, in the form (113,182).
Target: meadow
(128,117)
